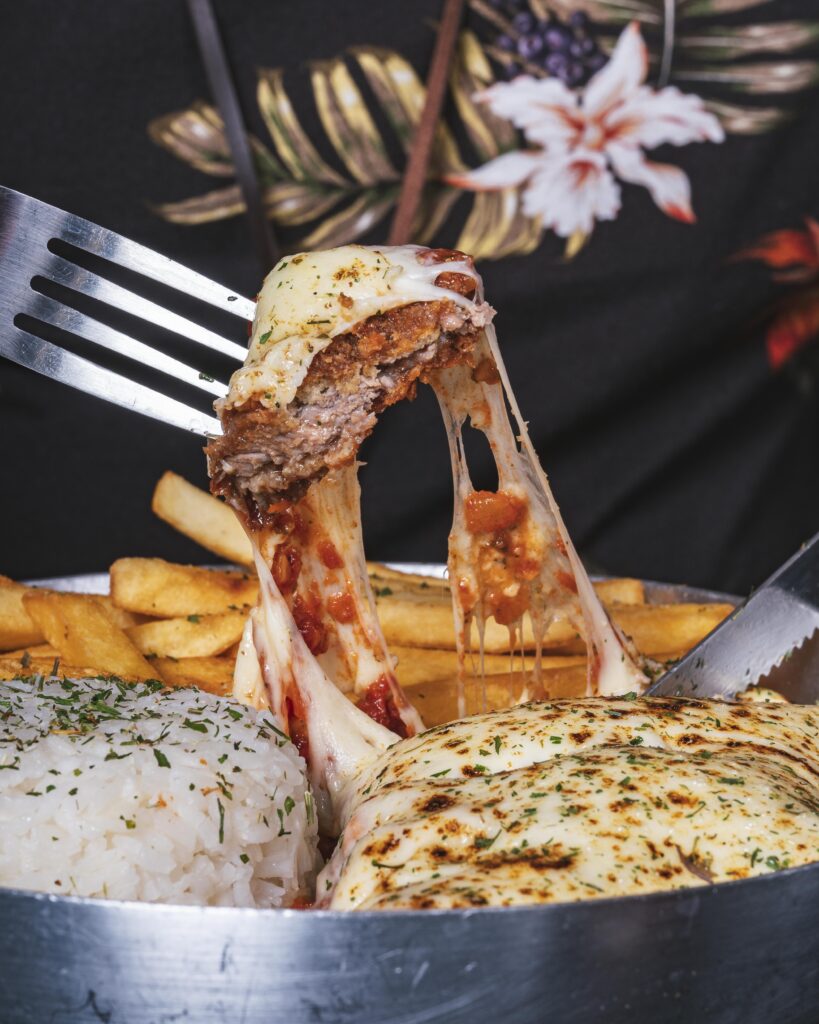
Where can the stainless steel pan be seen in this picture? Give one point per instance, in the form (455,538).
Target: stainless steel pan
(737,953)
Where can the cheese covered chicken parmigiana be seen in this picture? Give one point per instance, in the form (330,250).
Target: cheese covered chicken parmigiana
(577,799)
(546,801)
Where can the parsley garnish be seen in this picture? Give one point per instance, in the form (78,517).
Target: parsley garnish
(161,760)
(484,842)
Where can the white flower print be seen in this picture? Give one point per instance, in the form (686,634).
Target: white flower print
(588,139)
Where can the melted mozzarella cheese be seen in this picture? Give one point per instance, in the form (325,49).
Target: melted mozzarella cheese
(559,586)
(343,740)
(310,298)
(581,798)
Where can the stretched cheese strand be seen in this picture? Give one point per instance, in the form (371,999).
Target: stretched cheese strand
(341,739)
(321,573)
(315,548)
(334,566)
(612,669)
(537,569)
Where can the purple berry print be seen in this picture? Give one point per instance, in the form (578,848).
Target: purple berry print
(530,46)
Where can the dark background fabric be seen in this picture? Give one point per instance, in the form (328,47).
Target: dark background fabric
(674,450)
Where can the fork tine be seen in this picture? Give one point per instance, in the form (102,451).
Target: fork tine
(36,218)
(77,278)
(133,256)
(52,312)
(51,361)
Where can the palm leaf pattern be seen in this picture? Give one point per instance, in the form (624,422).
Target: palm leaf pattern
(749,75)
(326,204)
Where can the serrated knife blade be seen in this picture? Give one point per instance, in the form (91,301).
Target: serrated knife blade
(757,637)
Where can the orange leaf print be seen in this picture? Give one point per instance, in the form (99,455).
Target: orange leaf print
(798,250)
(796,323)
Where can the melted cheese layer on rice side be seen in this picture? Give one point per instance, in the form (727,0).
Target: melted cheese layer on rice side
(578,799)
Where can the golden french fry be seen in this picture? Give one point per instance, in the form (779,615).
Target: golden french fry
(421,665)
(201,517)
(83,631)
(212,674)
(386,582)
(153,586)
(621,590)
(33,651)
(663,630)
(16,668)
(382,575)
(437,701)
(196,636)
(124,619)
(410,620)
(17,629)
(423,620)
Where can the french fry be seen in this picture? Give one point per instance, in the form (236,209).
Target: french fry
(15,668)
(212,674)
(419,620)
(17,629)
(33,651)
(664,630)
(622,590)
(418,665)
(382,575)
(124,619)
(437,701)
(83,631)
(196,636)
(153,586)
(410,620)
(201,517)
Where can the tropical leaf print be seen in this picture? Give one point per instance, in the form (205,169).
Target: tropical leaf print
(327,204)
(733,57)
(747,65)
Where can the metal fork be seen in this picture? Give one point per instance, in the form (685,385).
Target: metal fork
(27,226)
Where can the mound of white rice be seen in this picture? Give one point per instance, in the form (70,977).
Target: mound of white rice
(136,792)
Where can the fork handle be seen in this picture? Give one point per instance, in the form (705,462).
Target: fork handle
(224,92)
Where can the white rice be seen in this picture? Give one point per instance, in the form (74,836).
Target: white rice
(136,792)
